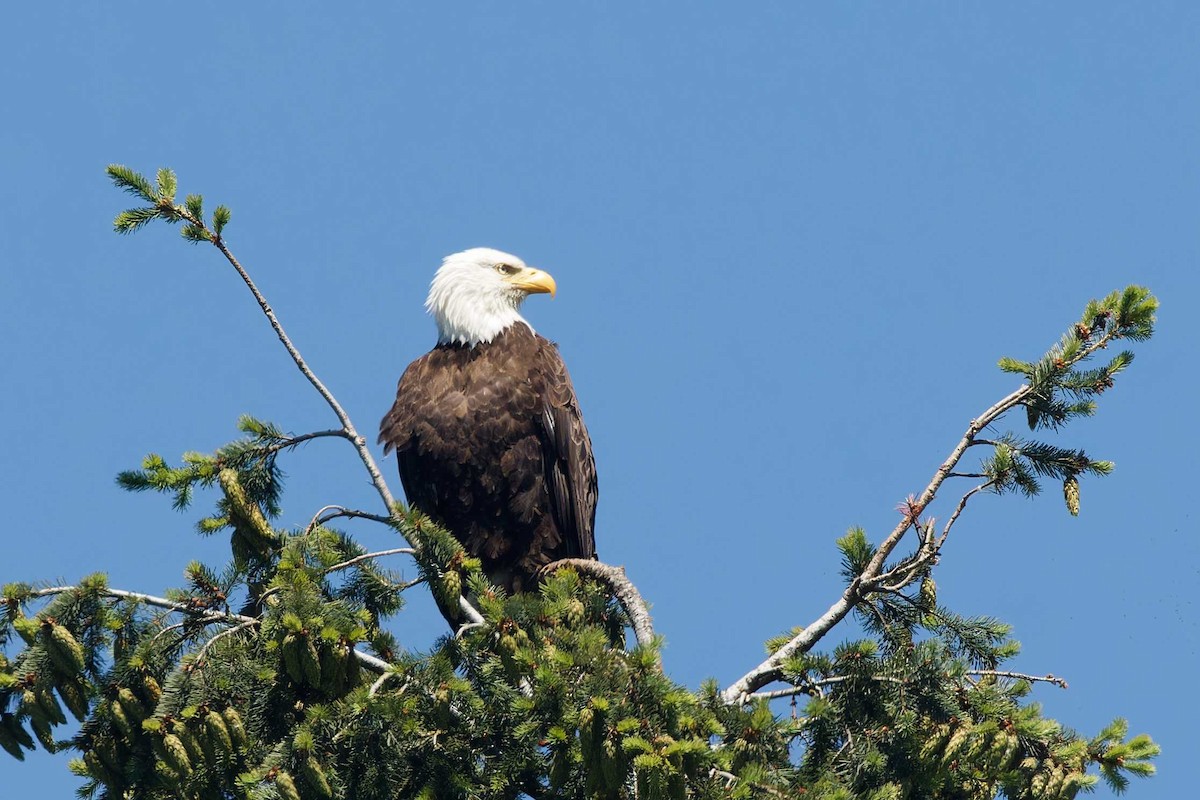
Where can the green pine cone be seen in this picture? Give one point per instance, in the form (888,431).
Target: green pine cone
(245,515)
(132,706)
(954,743)
(310,662)
(218,733)
(451,587)
(314,777)
(49,704)
(191,743)
(74,695)
(333,668)
(209,747)
(64,650)
(44,733)
(8,739)
(611,766)
(29,703)
(290,649)
(19,734)
(112,754)
(574,612)
(27,628)
(171,750)
(928,592)
(286,786)
(98,770)
(122,721)
(151,691)
(237,731)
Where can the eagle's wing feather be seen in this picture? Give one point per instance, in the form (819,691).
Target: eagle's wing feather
(570,465)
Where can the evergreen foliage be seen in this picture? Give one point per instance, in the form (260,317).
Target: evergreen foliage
(275,675)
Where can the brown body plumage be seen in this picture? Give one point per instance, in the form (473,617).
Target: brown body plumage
(491,444)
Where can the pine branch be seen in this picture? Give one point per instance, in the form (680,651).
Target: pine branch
(1018,676)
(197,230)
(368,556)
(336,511)
(200,615)
(287,442)
(1129,314)
(769,669)
(622,588)
(204,616)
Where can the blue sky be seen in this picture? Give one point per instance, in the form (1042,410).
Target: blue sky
(790,244)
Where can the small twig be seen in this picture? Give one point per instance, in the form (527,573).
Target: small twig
(200,614)
(729,778)
(962,503)
(775,694)
(468,626)
(896,579)
(1019,676)
(336,511)
(367,556)
(623,589)
(293,441)
(381,680)
(240,626)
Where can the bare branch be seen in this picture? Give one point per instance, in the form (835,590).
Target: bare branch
(370,661)
(348,430)
(205,616)
(623,589)
(293,441)
(381,680)
(768,670)
(228,631)
(1019,676)
(962,503)
(367,556)
(335,511)
(200,614)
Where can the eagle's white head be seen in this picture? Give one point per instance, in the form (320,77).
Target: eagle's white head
(477,293)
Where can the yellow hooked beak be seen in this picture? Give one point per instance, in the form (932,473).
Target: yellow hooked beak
(534,281)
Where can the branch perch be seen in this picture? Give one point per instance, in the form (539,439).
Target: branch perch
(623,589)
(769,670)
(201,231)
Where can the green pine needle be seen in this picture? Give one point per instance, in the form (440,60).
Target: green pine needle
(132,219)
(194,203)
(856,551)
(132,182)
(1013,365)
(195,234)
(220,219)
(167,185)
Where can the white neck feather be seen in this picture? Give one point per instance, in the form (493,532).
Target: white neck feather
(471,305)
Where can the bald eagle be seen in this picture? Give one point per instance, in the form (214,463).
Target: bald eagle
(487,429)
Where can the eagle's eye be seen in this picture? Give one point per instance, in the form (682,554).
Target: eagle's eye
(506,269)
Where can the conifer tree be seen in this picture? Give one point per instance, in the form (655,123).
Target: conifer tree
(274,675)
